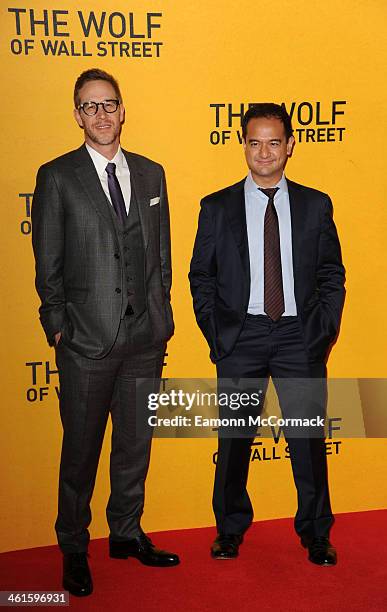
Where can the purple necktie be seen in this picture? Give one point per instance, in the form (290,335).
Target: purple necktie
(115,193)
(274,303)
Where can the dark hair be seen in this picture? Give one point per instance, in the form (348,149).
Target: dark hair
(94,74)
(268,109)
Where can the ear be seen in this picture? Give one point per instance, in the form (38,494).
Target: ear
(244,143)
(290,145)
(77,117)
(122,113)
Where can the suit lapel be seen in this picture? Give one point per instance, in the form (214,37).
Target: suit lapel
(88,177)
(139,187)
(298,215)
(236,214)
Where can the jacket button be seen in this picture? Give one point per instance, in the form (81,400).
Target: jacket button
(116,256)
(118,290)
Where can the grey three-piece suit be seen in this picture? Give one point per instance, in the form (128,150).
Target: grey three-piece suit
(106,288)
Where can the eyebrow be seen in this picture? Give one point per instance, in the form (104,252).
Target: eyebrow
(269,140)
(106,100)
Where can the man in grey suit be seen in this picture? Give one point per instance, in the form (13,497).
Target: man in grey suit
(103,272)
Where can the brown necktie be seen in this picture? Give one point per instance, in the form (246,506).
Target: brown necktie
(274,304)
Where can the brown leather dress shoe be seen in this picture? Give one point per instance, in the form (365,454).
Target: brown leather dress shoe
(321,551)
(76,574)
(226,546)
(142,549)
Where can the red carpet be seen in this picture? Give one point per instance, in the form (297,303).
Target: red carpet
(271,573)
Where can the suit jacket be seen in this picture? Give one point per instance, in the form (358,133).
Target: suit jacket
(79,270)
(220,269)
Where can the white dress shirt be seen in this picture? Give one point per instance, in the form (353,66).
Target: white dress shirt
(255,204)
(122,172)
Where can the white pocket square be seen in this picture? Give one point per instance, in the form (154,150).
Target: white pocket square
(154,201)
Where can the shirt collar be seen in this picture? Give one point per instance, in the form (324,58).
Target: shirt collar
(100,161)
(252,187)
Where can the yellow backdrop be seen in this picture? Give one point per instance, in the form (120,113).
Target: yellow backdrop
(186,70)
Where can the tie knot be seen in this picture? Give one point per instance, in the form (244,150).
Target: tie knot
(270,193)
(111,168)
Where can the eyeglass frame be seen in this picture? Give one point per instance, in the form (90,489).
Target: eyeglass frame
(98,104)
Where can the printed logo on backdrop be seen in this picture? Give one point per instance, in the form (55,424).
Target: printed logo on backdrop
(313,122)
(48,32)
(264,452)
(43,382)
(25,223)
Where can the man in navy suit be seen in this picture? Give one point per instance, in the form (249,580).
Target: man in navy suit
(267,282)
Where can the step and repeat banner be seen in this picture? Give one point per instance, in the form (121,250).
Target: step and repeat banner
(188,71)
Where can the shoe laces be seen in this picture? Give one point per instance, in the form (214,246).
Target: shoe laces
(320,543)
(227,539)
(145,541)
(79,559)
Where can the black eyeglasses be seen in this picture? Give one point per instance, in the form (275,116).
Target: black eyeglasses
(91,108)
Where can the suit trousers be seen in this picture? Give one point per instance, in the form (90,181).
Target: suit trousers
(267,348)
(90,389)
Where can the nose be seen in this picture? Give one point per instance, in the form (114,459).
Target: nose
(264,152)
(100,110)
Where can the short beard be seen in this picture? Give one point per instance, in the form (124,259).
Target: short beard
(100,138)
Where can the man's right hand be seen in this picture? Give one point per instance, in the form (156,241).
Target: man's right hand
(57,338)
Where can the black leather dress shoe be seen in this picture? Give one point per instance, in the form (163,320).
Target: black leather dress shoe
(226,546)
(76,574)
(320,550)
(142,549)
